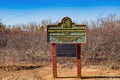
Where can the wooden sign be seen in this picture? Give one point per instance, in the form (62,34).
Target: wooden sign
(66,50)
(66,32)
(66,39)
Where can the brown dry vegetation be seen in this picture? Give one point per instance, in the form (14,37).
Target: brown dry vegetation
(103,45)
(24,47)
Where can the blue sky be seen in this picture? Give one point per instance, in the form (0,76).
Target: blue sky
(25,11)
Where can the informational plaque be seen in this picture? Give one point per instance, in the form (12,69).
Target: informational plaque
(66,50)
(66,32)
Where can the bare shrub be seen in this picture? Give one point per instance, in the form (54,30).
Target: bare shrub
(103,42)
(27,44)
(23,45)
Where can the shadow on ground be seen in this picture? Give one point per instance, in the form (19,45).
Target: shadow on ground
(17,68)
(92,77)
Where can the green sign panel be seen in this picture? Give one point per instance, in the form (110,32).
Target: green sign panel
(66,32)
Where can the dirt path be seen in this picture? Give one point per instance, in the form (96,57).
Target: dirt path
(45,73)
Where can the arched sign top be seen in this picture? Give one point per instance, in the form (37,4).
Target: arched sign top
(66,32)
(66,22)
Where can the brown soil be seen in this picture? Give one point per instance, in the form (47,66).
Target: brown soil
(64,73)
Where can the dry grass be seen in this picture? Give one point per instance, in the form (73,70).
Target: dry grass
(45,73)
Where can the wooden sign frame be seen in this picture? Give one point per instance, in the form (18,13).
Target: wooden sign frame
(54,60)
(54,44)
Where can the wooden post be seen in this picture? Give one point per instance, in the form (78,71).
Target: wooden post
(79,60)
(54,60)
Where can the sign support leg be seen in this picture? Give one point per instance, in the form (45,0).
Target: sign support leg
(54,60)
(79,60)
